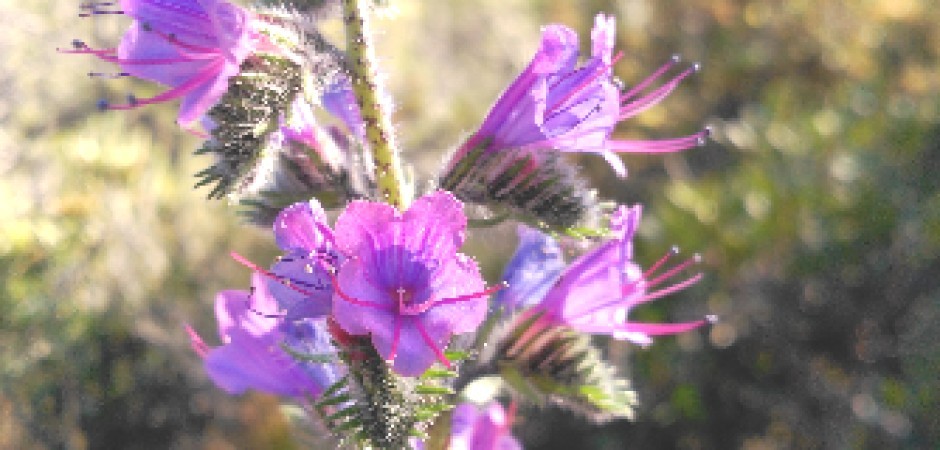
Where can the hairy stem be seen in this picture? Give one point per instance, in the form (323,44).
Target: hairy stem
(387,416)
(375,114)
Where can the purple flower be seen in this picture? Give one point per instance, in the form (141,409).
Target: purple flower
(532,271)
(300,279)
(556,104)
(487,429)
(302,128)
(404,283)
(340,101)
(192,46)
(597,291)
(251,356)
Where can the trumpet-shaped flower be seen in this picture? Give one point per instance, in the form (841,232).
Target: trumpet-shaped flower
(192,46)
(301,280)
(557,104)
(251,356)
(596,293)
(302,128)
(403,282)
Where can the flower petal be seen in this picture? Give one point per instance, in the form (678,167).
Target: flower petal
(251,363)
(532,271)
(360,318)
(437,225)
(359,226)
(460,277)
(303,226)
(139,48)
(186,20)
(413,354)
(198,101)
(310,290)
(252,312)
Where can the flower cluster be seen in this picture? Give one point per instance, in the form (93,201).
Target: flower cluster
(379,323)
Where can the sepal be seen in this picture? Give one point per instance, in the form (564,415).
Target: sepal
(243,120)
(558,366)
(538,188)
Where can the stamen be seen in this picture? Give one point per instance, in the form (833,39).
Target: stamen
(704,135)
(671,272)
(641,104)
(396,337)
(354,300)
(195,341)
(99,13)
(672,252)
(421,308)
(179,91)
(660,329)
(108,75)
(660,145)
(650,79)
(198,133)
(427,340)
(94,9)
(671,289)
(283,280)
(81,48)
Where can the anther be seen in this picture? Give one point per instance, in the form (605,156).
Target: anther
(618,83)
(676,58)
(102,105)
(703,138)
(79,44)
(697,67)
(108,75)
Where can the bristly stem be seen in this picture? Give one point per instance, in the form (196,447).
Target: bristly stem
(375,114)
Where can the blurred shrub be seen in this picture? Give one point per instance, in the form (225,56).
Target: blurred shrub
(816,208)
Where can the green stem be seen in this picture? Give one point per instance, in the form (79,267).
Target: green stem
(375,114)
(387,416)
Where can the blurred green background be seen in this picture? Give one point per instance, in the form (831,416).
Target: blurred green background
(816,208)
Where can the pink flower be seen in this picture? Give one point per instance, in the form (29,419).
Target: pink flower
(556,104)
(300,280)
(596,293)
(192,46)
(251,357)
(404,283)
